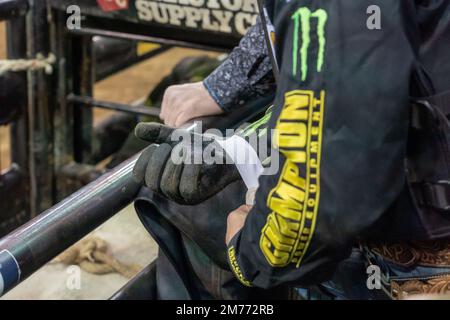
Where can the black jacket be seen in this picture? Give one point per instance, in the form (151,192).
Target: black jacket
(342,116)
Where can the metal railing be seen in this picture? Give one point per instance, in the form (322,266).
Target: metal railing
(32,245)
(10,9)
(37,242)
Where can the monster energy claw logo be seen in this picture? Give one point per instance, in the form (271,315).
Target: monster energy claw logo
(302,21)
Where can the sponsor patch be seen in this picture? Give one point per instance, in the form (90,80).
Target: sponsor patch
(224,16)
(295,200)
(303,35)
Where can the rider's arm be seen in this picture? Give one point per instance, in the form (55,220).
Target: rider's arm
(246,74)
(341,116)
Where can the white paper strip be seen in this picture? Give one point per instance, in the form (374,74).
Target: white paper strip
(246,161)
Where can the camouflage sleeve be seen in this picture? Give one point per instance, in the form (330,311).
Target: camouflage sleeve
(246,74)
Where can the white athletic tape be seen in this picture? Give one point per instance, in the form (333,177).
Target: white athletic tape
(246,161)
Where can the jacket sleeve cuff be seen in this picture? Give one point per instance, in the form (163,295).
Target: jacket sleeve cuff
(208,83)
(234,262)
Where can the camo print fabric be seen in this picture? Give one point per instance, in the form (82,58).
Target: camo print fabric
(246,74)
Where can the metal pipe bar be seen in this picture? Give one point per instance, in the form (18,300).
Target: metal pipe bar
(141,287)
(144,38)
(113,55)
(28,248)
(10,9)
(12,213)
(93,103)
(113,68)
(31,246)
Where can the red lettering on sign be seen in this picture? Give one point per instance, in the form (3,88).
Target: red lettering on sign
(113,5)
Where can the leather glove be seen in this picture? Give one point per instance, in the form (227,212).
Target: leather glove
(183,181)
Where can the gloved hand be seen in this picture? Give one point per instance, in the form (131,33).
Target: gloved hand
(187,183)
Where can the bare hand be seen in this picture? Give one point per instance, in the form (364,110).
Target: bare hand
(182,103)
(236,221)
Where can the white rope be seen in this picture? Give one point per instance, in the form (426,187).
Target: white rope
(39,63)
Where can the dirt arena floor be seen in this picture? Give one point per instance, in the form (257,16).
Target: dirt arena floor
(127,239)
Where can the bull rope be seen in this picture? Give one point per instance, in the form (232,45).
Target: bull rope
(39,63)
(92,255)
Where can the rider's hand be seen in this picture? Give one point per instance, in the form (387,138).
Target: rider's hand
(185,182)
(182,103)
(236,221)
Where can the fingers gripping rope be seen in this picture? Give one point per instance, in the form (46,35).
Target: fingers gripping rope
(39,63)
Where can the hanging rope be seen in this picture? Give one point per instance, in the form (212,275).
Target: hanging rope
(41,62)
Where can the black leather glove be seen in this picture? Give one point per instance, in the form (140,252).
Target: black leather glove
(181,181)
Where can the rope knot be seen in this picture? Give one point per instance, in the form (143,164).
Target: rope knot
(39,63)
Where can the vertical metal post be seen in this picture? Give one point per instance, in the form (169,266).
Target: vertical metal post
(19,208)
(16,45)
(63,115)
(72,124)
(82,61)
(40,132)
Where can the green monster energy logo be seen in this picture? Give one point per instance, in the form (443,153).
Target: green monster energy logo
(302,20)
